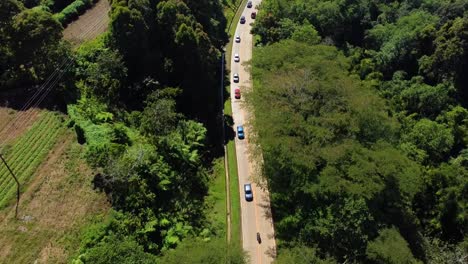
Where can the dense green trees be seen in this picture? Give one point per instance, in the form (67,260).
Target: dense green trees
(140,87)
(31,45)
(364,145)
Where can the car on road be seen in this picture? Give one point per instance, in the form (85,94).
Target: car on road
(236,57)
(237,93)
(238,39)
(253,15)
(248,192)
(240,132)
(249,4)
(235,78)
(242,20)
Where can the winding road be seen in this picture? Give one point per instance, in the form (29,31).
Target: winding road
(255,215)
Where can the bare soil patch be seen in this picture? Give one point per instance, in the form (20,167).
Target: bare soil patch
(14,123)
(89,25)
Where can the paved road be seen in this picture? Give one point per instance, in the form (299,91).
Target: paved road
(255,215)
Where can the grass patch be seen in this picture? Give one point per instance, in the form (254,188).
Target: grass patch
(234,190)
(217,199)
(230,147)
(232,31)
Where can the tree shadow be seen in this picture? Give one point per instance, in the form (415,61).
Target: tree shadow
(230,134)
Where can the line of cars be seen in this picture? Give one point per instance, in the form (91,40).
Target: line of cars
(248,193)
(253,14)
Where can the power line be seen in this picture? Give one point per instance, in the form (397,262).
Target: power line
(47,86)
(57,74)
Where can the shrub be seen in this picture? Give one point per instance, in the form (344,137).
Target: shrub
(73,10)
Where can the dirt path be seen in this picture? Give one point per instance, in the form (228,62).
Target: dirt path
(89,25)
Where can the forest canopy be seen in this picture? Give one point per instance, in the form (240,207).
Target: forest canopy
(361,119)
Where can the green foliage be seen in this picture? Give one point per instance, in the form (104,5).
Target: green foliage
(409,31)
(102,71)
(306,33)
(329,170)
(32,44)
(345,166)
(435,140)
(197,251)
(301,254)
(116,250)
(73,10)
(159,117)
(390,248)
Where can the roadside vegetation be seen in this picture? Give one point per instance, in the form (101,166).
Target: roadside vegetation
(140,100)
(360,108)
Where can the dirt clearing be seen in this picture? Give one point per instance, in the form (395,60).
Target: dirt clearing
(14,123)
(89,25)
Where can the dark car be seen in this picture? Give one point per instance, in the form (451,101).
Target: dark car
(235,78)
(240,132)
(248,192)
(253,15)
(249,4)
(237,93)
(242,20)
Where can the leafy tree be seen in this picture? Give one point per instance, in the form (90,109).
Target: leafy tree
(129,35)
(159,117)
(436,140)
(306,33)
(389,247)
(441,205)
(103,73)
(37,49)
(398,44)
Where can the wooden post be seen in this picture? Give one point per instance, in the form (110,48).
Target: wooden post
(17,184)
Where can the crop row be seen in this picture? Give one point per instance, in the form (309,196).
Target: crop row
(28,153)
(25,148)
(24,143)
(27,167)
(19,163)
(33,162)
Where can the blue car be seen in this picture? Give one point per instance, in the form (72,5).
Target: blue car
(240,132)
(248,192)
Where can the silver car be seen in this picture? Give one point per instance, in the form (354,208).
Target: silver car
(248,192)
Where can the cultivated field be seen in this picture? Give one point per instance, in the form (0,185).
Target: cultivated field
(27,153)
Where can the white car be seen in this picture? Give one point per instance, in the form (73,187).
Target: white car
(238,39)
(236,78)
(236,57)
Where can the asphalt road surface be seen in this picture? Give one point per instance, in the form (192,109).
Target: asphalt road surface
(255,215)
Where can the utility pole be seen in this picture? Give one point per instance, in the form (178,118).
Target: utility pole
(17,184)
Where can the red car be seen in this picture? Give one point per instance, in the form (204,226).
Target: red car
(237,93)
(253,15)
